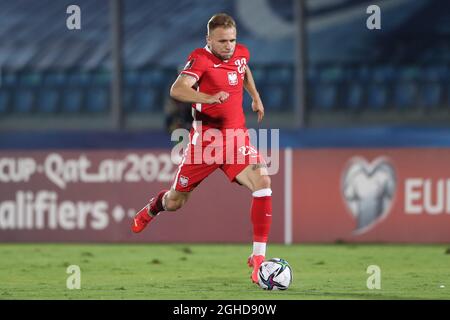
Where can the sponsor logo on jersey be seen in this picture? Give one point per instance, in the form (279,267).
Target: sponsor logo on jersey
(232,78)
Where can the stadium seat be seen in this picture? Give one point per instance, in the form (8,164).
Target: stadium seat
(79,79)
(405,95)
(362,74)
(72,101)
(273,97)
(434,73)
(247,102)
(332,74)
(4,100)
(383,74)
(280,75)
(290,102)
(430,95)
(97,100)
(312,75)
(377,97)
(448,95)
(258,75)
(131,78)
(53,79)
(326,87)
(432,91)
(10,79)
(47,101)
(324,96)
(146,99)
(406,87)
(30,79)
(128,99)
(410,74)
(101,79)
(23,101)
(153,78)
(353,99)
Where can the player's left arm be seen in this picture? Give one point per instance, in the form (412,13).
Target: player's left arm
(250,86)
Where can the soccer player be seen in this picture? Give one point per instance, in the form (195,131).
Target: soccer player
(213,81)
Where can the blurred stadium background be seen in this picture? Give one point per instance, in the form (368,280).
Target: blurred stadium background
(398,75)
(363,116)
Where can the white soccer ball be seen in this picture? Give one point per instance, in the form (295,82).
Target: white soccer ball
(275,274)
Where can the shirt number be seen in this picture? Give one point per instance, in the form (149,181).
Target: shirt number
(241,64)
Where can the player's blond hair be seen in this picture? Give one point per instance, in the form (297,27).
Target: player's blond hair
(221,20)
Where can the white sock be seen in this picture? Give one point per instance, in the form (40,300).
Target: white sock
(259,248)
(164,201)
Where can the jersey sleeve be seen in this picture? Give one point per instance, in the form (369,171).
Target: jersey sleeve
(195,66)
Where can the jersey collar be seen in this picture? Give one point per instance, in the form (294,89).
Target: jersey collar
(209,50)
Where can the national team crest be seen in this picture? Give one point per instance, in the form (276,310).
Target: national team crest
(183,181)
(232,78)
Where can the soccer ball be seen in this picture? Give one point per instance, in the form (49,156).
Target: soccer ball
(275,274)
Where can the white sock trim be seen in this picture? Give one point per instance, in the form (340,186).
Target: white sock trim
(267,192)
(259,248)
(163,201)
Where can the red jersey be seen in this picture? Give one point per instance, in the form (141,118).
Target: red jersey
(214,75)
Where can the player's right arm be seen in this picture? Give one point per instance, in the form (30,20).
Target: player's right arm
(182,90)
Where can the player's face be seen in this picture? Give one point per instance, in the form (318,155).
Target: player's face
(222,42)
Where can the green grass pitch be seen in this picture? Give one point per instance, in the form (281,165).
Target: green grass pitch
(219,271)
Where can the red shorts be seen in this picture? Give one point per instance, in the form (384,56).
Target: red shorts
(232,155)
